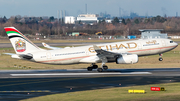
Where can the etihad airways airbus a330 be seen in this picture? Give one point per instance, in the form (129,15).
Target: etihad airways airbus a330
(126,52)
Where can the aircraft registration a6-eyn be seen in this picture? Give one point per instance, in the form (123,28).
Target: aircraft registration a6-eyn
(126,52)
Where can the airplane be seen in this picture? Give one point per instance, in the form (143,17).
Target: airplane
(126,52)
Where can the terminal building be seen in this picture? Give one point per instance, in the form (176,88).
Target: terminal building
(88,18)
(70,20)
(85,19)
(152,33)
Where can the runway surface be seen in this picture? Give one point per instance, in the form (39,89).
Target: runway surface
(23,84)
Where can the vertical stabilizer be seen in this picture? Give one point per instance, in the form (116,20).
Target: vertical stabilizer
(20,43)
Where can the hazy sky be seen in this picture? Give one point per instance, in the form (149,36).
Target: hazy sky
(74,7)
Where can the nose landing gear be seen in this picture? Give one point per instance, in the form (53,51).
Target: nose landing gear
(160,57)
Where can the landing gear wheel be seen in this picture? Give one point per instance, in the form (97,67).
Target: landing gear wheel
(89,68)
(99,69)
(105,67)
(95,66)
(160,59)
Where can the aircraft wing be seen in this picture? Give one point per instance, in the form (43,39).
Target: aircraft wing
(107,54)
(50,47)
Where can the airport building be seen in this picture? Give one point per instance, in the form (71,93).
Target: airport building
(70,20)
(174,37)
(108,20)
(152,33)
(88,18)
(84,19)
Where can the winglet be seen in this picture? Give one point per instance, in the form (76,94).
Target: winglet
(45,45)
(50,47)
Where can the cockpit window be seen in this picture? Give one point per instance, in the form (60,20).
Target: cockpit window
(171,41)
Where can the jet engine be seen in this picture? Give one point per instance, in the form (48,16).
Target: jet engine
(127,59)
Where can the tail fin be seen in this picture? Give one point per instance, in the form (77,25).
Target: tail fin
(20,43)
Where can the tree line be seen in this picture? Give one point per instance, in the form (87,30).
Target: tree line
(119,26)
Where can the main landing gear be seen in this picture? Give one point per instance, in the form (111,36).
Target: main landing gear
(104,67)
(94,66)
(160,57)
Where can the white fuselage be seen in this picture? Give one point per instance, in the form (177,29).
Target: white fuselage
(86,54)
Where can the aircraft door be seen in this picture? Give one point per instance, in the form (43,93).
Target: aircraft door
(163,43)
(48,55)
(139,46)
(87,52)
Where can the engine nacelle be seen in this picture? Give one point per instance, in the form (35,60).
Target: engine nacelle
(127,59)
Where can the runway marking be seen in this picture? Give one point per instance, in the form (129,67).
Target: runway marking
(26,91)
(37,81)
(65,74)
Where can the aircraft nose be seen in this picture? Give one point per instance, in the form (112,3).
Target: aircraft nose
(176,44)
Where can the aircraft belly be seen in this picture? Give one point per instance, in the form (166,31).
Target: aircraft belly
(74,61)
(63,62)
(146,51)
(91,59)
(151,50)
(165,50)
(155,51)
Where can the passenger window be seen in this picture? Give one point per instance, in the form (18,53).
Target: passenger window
(171,41)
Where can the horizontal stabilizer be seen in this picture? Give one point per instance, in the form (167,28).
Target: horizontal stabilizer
(20,56)
(9,53)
